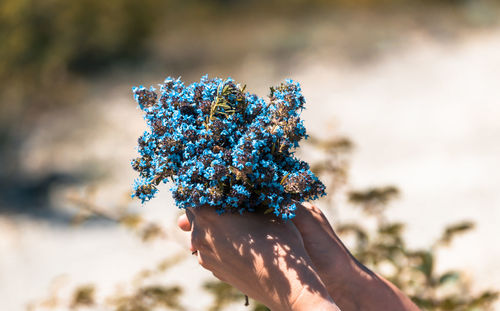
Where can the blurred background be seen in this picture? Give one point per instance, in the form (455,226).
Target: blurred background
(401,94)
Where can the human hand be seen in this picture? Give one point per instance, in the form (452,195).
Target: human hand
(349,283)
(260,255)
(332,260)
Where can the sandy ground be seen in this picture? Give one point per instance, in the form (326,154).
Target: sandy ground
(426,119)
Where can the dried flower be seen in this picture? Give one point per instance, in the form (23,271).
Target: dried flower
(224,147)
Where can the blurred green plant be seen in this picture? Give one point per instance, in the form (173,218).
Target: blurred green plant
(48,45)
(150,298)
(381,247)
(86,209)
(83,296)
(384,250)
(48,53)
(52,50)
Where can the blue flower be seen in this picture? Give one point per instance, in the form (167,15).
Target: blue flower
(223,147)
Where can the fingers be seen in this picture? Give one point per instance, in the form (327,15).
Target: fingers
(190,215)
(184,223)
(217,275)
(205,260)
(196,225)
(200,239)
(208,262)
(307,212)
(195,211)
(309,218)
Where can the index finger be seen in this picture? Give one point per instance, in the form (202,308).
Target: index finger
(184,223)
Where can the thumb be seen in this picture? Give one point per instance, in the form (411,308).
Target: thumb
(184,223)
(310,220)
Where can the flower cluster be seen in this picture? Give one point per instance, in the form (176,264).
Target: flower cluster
(224,147)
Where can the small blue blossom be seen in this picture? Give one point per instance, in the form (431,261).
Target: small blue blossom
(224,147)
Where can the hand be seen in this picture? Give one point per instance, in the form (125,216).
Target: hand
(263,257)
(349,283)
(332,260)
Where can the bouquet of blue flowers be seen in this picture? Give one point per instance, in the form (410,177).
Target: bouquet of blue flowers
(224,147)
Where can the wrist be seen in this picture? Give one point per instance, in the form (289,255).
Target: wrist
(347,277)
(339,270)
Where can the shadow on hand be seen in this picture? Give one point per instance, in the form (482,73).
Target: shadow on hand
(259,254)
